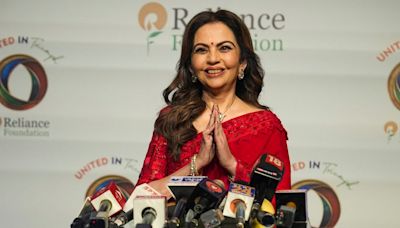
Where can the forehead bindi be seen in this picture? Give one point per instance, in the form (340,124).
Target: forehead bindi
(214,33)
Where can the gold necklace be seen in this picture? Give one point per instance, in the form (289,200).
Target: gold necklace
(221,115)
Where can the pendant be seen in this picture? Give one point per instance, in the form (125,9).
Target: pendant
(221,116)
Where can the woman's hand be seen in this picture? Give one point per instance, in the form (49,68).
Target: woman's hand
(207,147)
(224,155)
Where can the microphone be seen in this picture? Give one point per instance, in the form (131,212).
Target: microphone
(84,215)
(293,208)
(100,220)
(178,212)
(123,218)
(264,216)
(151,209)
(126,215)
(212,218)
(207,194)
(108,201)
(141,190)
(109,198)
(181,187)
(265,177)
(148,215)
(285,216)
(238,203)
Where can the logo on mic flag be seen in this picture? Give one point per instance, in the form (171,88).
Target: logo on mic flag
(213,187)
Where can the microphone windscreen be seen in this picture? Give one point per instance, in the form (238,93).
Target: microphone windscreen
(267,206)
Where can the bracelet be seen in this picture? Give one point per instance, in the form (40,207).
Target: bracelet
(193,168)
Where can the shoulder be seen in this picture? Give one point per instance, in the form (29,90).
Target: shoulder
(268,119)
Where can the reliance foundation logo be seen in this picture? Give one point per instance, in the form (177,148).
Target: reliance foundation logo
(153,18)
(22,127)
(152,26)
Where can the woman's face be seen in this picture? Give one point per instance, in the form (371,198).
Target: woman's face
(215,57)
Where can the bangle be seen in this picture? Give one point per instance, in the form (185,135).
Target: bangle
(193,168)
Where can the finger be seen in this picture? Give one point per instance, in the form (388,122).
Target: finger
(217,108)
(211,120)
(218,126)
(217,133)
(216,114)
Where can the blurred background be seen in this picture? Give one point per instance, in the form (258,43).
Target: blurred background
(81,112)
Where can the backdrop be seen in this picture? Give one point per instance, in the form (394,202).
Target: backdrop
(81,85)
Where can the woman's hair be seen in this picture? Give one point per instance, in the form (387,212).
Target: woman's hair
(184,97)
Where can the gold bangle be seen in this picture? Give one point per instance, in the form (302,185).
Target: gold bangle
(193,168)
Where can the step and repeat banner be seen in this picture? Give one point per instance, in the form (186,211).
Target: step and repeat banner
(81,84)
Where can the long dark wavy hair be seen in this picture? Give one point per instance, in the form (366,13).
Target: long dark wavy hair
(184,98)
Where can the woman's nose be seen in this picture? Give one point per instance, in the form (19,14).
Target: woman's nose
(213,56)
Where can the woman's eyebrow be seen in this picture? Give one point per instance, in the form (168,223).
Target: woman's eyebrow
(218,44)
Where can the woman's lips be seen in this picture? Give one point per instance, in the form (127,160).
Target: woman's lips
(214,72)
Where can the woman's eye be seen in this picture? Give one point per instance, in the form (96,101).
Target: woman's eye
(225,48)
(200,50)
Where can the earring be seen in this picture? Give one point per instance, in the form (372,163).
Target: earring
(241,75)
(194,78)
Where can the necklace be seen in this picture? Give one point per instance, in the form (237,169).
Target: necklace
(221,115)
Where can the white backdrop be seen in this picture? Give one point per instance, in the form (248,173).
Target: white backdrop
(329,65)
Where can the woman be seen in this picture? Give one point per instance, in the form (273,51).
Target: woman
(213,124)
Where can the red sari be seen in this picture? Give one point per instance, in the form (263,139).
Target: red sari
(249,136)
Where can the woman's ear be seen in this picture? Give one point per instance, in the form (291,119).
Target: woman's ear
(243,65)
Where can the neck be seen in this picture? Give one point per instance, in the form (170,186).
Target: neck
(224,102)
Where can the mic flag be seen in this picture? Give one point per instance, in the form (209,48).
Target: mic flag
(206,195)
(238,194)
(265,177)
(149,210)
(183,186)
(112,194)
(141,190)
